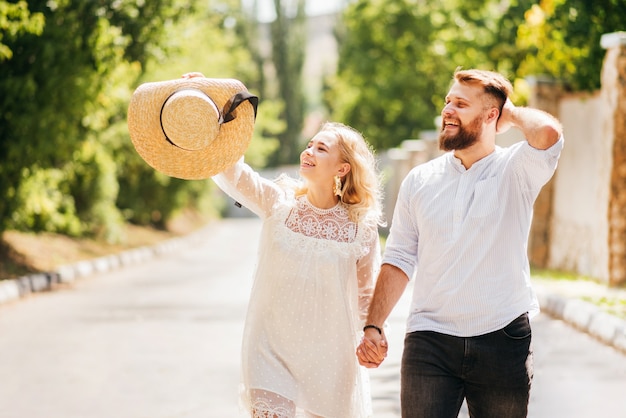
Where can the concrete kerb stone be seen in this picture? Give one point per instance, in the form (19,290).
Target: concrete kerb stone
(102,265)
(14,289)
(84,268)
(9,291)
(39,282)
(552,304)
(23,283)
(579,313)
(619,340)
(66,274)
(605,327)
(586,317)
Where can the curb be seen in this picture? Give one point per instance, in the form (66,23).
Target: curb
(14,289)
(587,318)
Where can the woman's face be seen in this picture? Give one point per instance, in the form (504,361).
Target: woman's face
(321,161)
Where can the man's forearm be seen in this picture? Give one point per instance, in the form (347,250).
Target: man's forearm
(541,129)
(390,285)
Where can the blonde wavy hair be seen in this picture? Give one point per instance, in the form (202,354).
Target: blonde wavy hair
(362,191)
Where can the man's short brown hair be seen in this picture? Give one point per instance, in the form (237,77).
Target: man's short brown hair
(495,85)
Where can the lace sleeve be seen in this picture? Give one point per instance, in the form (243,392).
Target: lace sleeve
(247,187)
(367,269)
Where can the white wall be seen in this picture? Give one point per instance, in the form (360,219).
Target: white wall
(581,190)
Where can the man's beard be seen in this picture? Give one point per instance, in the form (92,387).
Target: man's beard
(464,138)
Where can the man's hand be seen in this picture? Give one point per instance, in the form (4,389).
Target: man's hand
(541,129)
(505,121)
(373,349)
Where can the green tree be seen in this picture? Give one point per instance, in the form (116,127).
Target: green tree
(208,41)
(277,51)
(561,39)
(59,91)
(15,20)
(397,57)
(288,48)
(388,70)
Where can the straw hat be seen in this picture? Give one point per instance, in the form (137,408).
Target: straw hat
(191,128)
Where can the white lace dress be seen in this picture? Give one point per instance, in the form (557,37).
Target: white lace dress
(313,281)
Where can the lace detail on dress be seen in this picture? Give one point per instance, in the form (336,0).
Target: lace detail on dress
(271,405)
(329,224)
(262,409)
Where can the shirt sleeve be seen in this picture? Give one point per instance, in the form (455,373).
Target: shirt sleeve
(535,167)
(402,242)
(247,187)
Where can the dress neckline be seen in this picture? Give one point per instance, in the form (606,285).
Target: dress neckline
(305,200)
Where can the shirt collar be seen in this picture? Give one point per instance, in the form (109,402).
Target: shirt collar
(456,162)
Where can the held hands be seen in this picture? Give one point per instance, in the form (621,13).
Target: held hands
(373,349)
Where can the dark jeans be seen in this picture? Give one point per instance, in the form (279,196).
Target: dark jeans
(492,372)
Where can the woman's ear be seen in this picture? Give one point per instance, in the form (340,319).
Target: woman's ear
(344,169)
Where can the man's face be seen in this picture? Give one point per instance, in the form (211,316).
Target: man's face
(462,118)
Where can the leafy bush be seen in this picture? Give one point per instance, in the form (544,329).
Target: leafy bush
(93,175)
(45,203)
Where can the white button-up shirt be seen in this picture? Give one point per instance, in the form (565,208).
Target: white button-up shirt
(462,236)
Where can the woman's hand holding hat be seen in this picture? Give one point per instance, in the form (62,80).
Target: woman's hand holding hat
(193,127)
(192,74)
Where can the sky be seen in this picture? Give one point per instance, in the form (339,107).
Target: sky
(313,7)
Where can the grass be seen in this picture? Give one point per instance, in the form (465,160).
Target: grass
(611,300)
(559,275)
(612,305)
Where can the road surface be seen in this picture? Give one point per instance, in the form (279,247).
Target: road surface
(161,340)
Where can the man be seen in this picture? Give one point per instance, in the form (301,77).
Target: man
(460,229)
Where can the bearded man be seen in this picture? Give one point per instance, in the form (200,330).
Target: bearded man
(460,231)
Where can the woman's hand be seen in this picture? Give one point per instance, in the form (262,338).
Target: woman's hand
(192,75)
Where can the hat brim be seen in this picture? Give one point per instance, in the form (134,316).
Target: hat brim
(149,140)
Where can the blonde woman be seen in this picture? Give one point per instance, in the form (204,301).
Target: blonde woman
(319,254)
(319,249)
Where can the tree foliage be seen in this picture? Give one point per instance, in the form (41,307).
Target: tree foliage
(210,43)
(51,99)
(15,20)
(288,46)
(396,62)
(277,51)
(66,162)
(561,39)
(68,68)
(396,57)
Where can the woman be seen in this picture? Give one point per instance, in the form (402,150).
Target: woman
(318,256)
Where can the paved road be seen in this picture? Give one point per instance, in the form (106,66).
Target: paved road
(161,340)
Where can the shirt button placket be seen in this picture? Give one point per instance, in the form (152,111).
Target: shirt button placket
(459,205)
